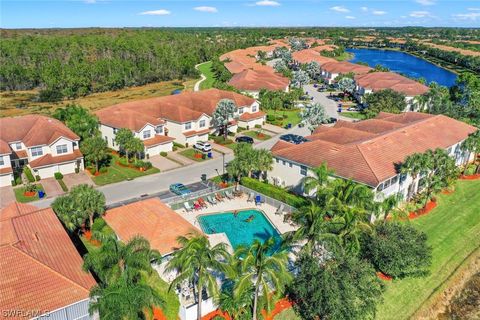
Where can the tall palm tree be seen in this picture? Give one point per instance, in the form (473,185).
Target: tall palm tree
(349,227)
(388,204)
(69,213)
(194,262)
(265,267)
(95,150)
(116,259)
(413,165)
(89,200)
(319,180)
(264,161)
(238,305)
(124,300)
(343,192)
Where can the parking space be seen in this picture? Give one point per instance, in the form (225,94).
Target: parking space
(74,179)
(52,187)
(163,163)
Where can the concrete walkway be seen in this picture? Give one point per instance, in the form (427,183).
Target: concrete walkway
(202,78)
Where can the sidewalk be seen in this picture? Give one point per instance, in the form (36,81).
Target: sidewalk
(274,129)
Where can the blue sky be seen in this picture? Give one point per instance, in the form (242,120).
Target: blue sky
(231,13)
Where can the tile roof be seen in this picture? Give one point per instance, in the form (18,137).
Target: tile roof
(153,220)
(367,151)
(345,67)
(195,132)
(390,80)
(309,55)
(184,107)
(255,80)
(156,140)
(251,116)
(49,159)
(40,267)
(32,130)
(6,170)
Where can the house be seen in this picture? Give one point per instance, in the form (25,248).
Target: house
(331,70)
(41,270)
(252,81)
(310,55)
(184,117)
(369,151)
(44,144)
(239,60)
(376,81)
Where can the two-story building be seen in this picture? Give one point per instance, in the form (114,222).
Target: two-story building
(252,81)
(370,151)
(46,145)
(331,70)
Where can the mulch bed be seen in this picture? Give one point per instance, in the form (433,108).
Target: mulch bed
(130,166)
(423,211)
(384,276)
(280,306)
(158,314)
(448,191)
(88,236)
(471,177)
(29,193)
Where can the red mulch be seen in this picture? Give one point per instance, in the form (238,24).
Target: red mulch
(29,193)
(158,314)
(88,236)
(471,177)
(383,276)
(425,210)
(448,191)
(215,313)
(280,306)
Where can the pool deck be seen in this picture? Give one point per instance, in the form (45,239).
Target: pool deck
(238,203)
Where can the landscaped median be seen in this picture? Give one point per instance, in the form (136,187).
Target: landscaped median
(194,155)
(29,193)
(258,134)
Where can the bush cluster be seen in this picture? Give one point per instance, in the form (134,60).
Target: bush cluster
(143,164)
(274,192)
(28,173)
(58,175)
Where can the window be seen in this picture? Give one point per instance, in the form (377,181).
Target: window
(115,130)
(1,161)
(380,187)
(290,164)
(254,109)
(61,149)
(37,151)
(394,180)
(188,126)
(113,142)
(241,110)
(159,129)
(283,162)
(147,134)
(403,177)
(202,123)
(303,170)
(278,161)
(18,145)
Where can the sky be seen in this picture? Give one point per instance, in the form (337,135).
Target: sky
(236,13)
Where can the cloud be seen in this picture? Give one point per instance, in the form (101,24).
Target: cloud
(425,2)
(379,12)
(350,17)
(90,1)
(267,3)
(206,9)
(473,9)
(161,12)
(419,14)
(364,9)
(467,16)
(340,9)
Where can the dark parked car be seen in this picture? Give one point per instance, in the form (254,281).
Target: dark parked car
(293,138)
(244,139)
(330,120)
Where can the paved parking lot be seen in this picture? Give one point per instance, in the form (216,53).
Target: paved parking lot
(322,98)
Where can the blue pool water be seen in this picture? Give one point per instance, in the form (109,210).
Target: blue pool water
(237,229)
(404,63)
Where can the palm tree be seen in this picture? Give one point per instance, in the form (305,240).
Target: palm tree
(195,262)
(343,192)
(414,164)
(123,139)
(89,200)
(349,227)
(95,150)
(319,181)
(265,267)
(264,161)
(116,259)
(388,204)
(136,146)
(124,300)
(312,222)
(238,305)
(68,212)
(472,144)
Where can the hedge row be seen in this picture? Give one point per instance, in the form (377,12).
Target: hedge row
(274,192)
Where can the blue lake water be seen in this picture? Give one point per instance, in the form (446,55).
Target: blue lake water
(240,230)
(404,63)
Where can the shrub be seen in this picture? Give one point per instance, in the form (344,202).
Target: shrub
(62,185)
(77,170)
(103,170)
(221,140)
(37,178)
(13,183)
(178,145)
(470,170)
(28,173)
(274,192)
(92,170)
(98,225)
(258,126)
(143,164)
(398,250)
(30,187)
(18,180)
(174,148)
(270,117)
(163,153)
(123,162)
(58,175)
(231,134)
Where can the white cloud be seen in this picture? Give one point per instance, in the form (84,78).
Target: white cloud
(90,1)
(379,12)
(473,9)
(467,16)
(350,17)
(340,9)
(425,2)
(267,3)
(364,9)
(419,14)
(161,12)
(206,9)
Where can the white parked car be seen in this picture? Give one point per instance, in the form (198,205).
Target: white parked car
(203,146)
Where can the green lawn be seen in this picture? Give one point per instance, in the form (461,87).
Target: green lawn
(289,116)
(344,56)
(206,69)
(190,154)
(288,314)
(254,134)
(172,304)
(353,115)
(117,173)
(22,198)
(452,229)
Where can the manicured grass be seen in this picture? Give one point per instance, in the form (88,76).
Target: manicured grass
(172,304)
(452,229)
(117,173)
(292,116)
(344,56)
(190,154)
(106,231)
(288,314)
(206,69)
(254,134)
(353,115)
(19,194)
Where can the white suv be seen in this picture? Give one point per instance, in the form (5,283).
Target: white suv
(203,146)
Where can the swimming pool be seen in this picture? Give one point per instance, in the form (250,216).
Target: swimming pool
(239,230)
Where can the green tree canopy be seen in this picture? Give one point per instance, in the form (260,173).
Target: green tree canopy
(224,111)
(299,79)
(94,150)
(79,120)
(124,138)
(384,100)
(313,115)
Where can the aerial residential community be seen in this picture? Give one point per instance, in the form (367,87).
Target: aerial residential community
(240,173)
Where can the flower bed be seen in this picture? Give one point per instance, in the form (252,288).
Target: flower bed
(383,276)
(470,177)
(423,211)
(30,193)
(88,236)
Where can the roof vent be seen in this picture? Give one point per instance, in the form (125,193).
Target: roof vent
(36,237)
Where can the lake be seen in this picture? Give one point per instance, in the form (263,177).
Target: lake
(404,63)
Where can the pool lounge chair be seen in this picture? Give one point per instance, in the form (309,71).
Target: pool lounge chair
(218,196)
(258,200)
(202,202)
(187,206)
(280,209)
(229,195)
(212,200)
(251,197)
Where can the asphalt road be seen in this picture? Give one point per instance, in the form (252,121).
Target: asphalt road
(330,105)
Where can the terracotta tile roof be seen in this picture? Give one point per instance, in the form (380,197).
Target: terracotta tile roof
(33,130)
(40,267)
(345,67)
(384,142)
(255,80)
(376,81)
(126,118)
(5,148)
(156,140)
(309,55)
(6,170)
(184,107)
(49,159)
(251,116)
(195,132)
(20,154)
(153,220)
